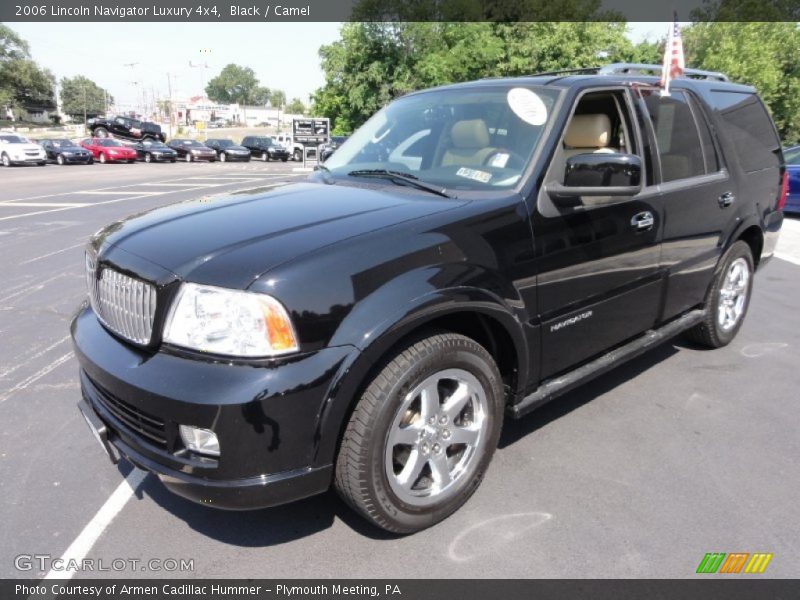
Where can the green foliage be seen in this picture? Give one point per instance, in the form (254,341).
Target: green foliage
(234,84)
(23,84)
(12,47)
(261,96)
(277,98)
(764,55)
(296,107)
(81,93)
(374,63)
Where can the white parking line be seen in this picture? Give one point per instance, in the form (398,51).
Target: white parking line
(36,376)
(110,193)
(42,204)
(87,538)
(6,372)
(49,254)
(142,195)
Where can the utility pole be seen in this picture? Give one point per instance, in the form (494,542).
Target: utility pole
(169,90)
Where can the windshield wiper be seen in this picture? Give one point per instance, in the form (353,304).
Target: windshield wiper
(397,176)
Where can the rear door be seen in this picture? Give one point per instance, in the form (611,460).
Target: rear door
(700,195)
(599,282)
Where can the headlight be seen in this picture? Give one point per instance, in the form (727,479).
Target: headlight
(229,322)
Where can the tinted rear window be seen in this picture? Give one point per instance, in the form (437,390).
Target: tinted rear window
(750,128)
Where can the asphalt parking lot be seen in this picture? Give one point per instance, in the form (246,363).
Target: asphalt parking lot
(639,474)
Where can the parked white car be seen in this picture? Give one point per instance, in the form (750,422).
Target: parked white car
(17,150)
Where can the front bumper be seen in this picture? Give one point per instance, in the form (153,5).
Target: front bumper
(230,157)
(77,159)
(265,416)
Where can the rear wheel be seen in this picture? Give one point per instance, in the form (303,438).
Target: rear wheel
(188,157)
(727,300)
(264,156)
(102,158)
(101,132)
(298,155)
(223,157)
(148,157)
(6,160)
(422,434)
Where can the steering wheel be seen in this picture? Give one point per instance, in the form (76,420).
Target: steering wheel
(512,160)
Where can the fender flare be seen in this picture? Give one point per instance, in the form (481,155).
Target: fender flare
(355,371)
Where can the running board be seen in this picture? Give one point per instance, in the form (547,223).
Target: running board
(552,388)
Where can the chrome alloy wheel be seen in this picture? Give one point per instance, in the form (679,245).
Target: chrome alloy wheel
(733,294)
(437,437)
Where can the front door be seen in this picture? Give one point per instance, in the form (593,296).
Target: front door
(599,282)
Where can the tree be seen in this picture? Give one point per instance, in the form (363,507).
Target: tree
(764,55)
(80,95)
(296,107)
(12,46)
(233,84)
(23,84)
(373,63)
(261,96)
(277,98)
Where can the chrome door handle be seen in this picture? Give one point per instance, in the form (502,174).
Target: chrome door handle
(643,220)
(726,199)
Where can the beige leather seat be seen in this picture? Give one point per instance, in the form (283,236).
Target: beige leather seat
(588,134)
(469,144)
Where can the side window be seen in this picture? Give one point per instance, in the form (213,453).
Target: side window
(710,156)
(750,128)
(676,135)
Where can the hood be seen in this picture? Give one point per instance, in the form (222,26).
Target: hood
(235,149)
(232,240)
(23,147)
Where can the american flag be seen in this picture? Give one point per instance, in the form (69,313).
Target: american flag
(673,57)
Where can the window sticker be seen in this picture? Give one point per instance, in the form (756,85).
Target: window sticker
(499,160)
(481,176)
(527,106)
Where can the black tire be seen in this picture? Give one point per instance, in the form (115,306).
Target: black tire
(709,333)
(100,132)
(60,159)
(102,158)
(223,157)
(265,156)
(6,160)
(298,155)
(90,161)
(361,473)
(188,157)
(284,159)
(148,157)
(172,160)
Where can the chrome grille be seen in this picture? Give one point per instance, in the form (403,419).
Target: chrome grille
(125,305)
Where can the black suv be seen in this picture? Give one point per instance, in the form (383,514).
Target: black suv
(471,253)
(126,128)
(265,148)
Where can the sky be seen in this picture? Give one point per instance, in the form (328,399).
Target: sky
(128,59)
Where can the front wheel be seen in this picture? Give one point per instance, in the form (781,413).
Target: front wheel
(188,157)
(60,159)
(422,434)
(223,157)
(264,156)
(100,132)
(728,298)
(6,160)
(148,158)
(102,158)
(298,155)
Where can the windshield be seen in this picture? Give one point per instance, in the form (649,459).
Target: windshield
(152,144)
(108,143)
(473,139)
(792,155)
(224,143)
(62,143)
(14,139)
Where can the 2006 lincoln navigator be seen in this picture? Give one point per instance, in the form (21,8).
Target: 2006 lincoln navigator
(470,253)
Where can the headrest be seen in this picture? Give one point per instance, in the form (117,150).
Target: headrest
(470,134)
(588,131)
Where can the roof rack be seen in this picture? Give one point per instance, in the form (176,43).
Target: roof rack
(642,69)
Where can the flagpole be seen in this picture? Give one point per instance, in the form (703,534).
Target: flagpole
(665,67)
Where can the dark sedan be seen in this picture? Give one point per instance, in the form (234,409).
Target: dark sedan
(66,152)
(190,150)
(792,156)
(265,148)
(226,150)
(154,151)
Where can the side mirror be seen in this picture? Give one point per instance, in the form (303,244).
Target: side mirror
(615,175)
(325,154)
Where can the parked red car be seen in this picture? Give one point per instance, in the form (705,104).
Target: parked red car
(108,150)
